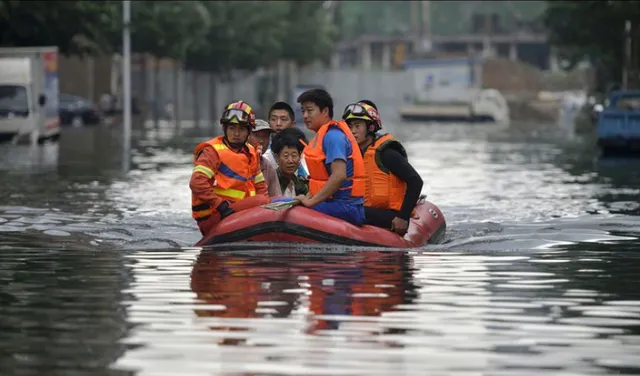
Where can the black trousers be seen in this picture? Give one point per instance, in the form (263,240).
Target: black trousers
(379,217)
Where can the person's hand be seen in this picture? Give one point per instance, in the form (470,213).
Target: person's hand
(224,210)
(304,200)
(399,226)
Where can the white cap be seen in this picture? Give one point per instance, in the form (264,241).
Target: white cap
(262,125)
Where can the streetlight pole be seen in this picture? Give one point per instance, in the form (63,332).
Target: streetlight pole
(627,55)
(126,81)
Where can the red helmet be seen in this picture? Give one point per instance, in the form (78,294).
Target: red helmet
(364,112)
(238,113)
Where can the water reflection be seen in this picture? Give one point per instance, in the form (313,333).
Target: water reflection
(29,159)
(354,312)
(60,311)
(254,285)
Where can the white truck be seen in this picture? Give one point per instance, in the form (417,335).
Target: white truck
(29,94)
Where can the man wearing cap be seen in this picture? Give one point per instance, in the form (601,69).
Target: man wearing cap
(260,138)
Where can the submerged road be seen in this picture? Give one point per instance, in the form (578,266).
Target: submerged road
(538,271)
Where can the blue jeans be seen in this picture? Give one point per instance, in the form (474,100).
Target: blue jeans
(352,213)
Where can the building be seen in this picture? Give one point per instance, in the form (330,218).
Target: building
(376,34)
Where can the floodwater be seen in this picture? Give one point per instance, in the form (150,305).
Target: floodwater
(538,273)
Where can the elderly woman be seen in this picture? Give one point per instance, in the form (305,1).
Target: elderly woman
(287,147)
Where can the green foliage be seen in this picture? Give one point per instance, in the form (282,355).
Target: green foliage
(310,35)
(215,36)
(242,35)
(161,28)
(592,29)
(249,34)
(76,27)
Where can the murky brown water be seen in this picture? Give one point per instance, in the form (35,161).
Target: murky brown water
(538,273)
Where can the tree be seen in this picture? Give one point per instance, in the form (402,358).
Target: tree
(76,27)
(243,35)
(594,30)
(311,34)
(161,28)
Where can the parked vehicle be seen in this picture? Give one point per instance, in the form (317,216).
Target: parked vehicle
(77,111)
(29,94)
(619,123)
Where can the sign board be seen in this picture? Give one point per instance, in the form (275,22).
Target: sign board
(442,80)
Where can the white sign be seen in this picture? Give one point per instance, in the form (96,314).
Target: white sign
(442,82)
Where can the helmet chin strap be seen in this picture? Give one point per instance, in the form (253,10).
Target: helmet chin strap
(235,145)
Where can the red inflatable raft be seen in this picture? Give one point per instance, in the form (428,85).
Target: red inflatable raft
(302,225)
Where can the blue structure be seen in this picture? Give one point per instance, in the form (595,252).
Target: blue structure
(619,123)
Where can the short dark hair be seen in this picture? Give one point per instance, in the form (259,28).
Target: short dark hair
(366,101)
(291,137)
(319,97)
(283,106)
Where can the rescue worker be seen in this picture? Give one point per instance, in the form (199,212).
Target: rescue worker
(226,175)
(260,138)
(392,185)
(336,169)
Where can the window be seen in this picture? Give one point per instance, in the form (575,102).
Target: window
(14,98)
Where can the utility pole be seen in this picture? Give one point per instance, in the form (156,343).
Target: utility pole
(421,25)
(126,84)
(415,26)
(426,26)
(627,55)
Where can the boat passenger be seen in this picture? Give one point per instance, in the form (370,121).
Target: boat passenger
(260,138)
(336,169)
(288,146)
(226,175)
(281,117)
(392,185)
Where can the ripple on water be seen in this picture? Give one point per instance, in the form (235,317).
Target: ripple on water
(378,313)
(538,275)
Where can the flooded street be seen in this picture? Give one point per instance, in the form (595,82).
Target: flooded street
(538,272)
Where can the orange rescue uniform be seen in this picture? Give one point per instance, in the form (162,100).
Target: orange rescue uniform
(222,174)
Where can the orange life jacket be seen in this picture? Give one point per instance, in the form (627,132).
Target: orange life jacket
(315,158)
(383,189)
(234,180)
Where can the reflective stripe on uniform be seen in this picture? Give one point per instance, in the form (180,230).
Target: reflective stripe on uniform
(259,178)
(228,172)
(231,193)
(220,147)
(206,171)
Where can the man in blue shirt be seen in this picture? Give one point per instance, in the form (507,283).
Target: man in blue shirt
(336,172)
